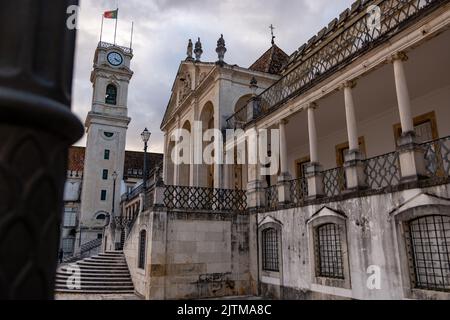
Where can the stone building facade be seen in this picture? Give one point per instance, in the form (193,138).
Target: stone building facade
(360,205)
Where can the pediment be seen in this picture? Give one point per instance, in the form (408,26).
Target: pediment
(326,212)
(269,219)
(420,200)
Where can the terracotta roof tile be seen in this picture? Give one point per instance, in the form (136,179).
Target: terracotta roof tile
(272,61)
(133,161)
(76,159)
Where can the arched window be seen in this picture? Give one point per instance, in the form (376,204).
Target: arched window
(101,217)
(329,252)
(111,94)
(428,244)
(141,253)
(270,259)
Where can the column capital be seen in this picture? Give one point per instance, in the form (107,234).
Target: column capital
(401,55)
(312,105)
(349,84)
(284,121)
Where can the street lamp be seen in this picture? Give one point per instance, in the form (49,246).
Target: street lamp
(114,176)
(145,138)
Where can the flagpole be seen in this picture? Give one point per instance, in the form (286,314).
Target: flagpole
(101,30)
(115,30)
(132,30)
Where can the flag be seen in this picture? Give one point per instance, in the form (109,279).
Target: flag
(111,14)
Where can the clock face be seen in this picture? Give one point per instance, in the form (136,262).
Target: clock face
(115,58)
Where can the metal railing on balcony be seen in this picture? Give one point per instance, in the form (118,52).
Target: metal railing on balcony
(334,182)
(299,191)
(272,198)
(204,199)
(383,171)
(437,158)
(337,46)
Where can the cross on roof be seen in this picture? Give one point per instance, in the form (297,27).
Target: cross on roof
(271,31)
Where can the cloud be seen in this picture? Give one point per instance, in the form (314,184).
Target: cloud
(162,28)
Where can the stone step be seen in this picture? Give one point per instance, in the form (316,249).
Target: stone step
(96,272)
(102,288)
(98,284)
(112,253)
(106,273)
(106,292)
(102,263)
(110,259)
(101,267)
(97,275)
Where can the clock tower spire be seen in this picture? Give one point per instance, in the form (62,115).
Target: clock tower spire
(106,127)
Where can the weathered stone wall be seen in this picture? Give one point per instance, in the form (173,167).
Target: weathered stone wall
(192,255)
(373,238)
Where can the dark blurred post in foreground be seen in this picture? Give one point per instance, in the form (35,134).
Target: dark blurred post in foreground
(36,128)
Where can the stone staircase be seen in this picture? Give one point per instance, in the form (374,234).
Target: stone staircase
(106,273)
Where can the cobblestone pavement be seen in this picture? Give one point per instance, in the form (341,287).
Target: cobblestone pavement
(97,297)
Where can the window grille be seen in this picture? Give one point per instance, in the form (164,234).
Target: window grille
(68,245)
(428,242)
(70,218)
(329,252)
(270,250)
(142,240)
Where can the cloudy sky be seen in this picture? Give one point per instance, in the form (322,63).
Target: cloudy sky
(162,29)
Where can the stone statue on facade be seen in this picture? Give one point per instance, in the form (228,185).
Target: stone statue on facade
(189,51)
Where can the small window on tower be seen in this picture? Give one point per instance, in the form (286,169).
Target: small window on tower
(103,195)
(107,154)
(111,94)
(105,174)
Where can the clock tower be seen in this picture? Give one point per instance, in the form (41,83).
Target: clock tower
(106,127)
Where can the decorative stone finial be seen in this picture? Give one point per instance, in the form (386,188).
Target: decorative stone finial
(189,51)
(221,50)
(198,50)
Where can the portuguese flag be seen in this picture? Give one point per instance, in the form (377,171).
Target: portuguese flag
(111,14)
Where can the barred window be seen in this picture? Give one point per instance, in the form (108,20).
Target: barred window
(270,250)
(68,245)
(141,255)
(70,218)
(428,242)
(329,252)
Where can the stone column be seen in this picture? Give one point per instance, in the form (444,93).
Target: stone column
(354,167)
(412,159)
(36,129)
(284,194)
(314,170)
(256,197)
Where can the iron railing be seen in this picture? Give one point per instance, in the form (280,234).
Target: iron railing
(383,171)
(85,250)
(272,198)
(334,182)
(299,191)
(107,45)
(204,199)
(333,49)
(437,158)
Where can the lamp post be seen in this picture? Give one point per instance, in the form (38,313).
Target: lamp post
(113,216)
(114,176)
(145,138)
